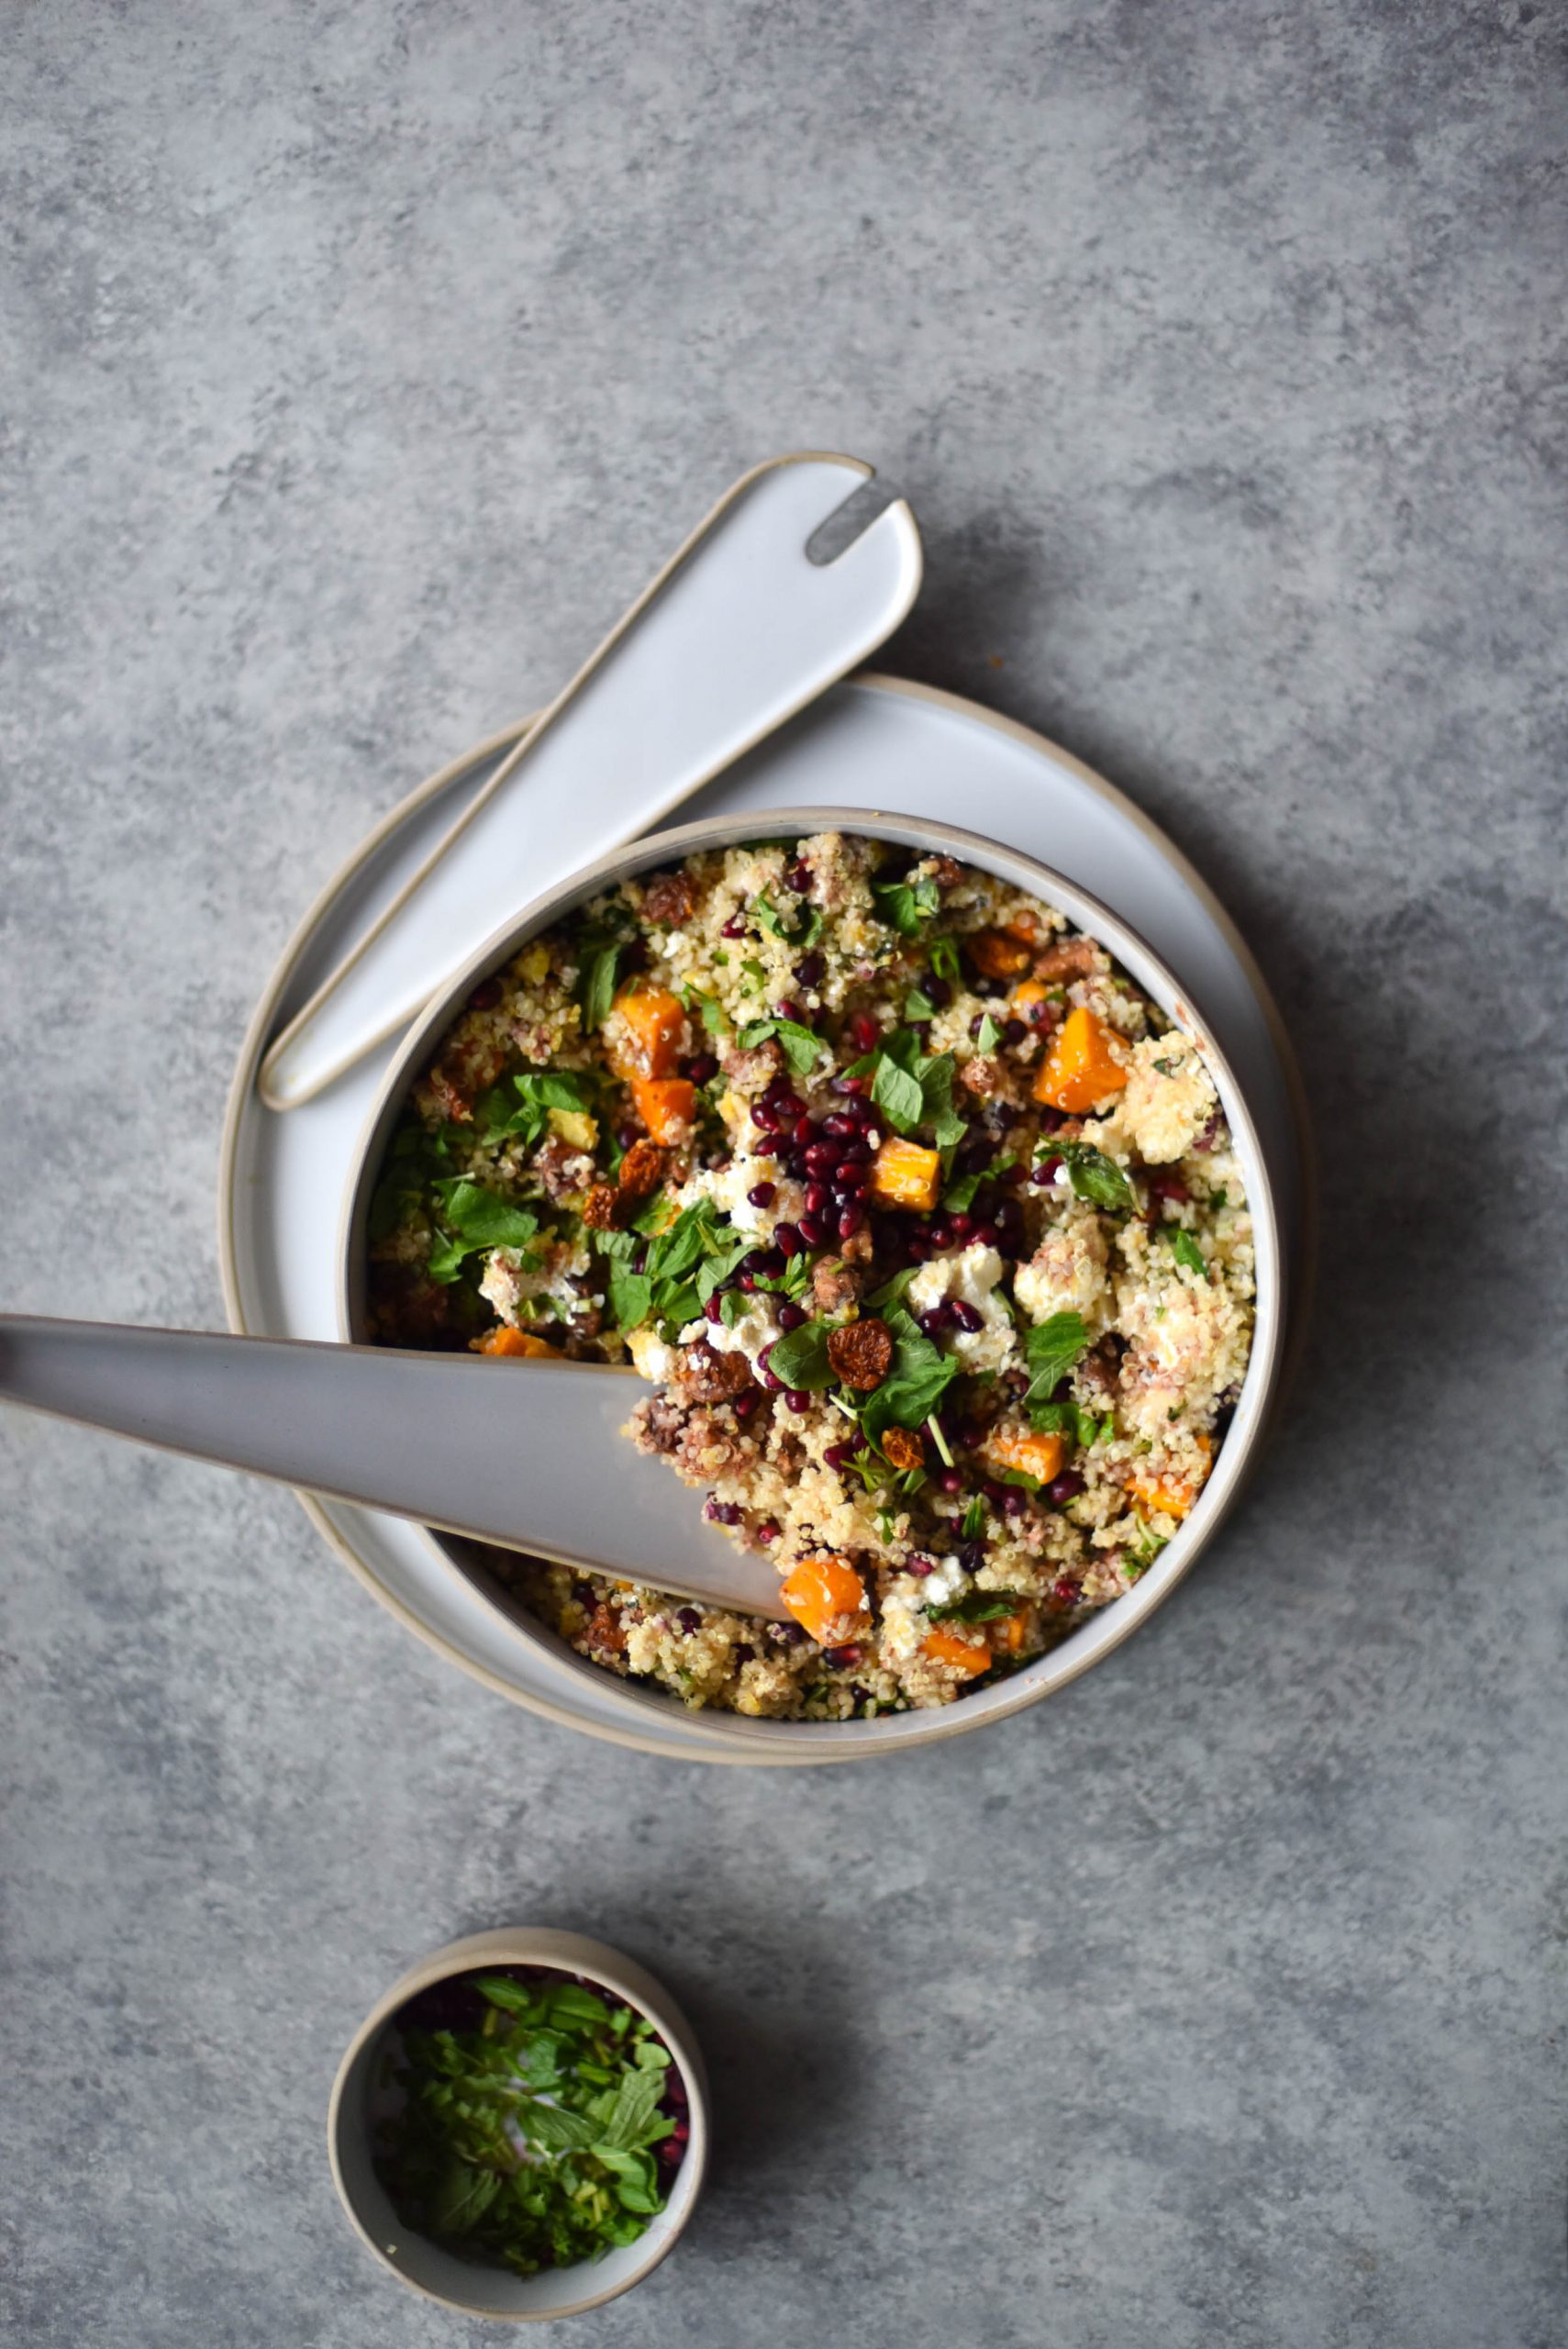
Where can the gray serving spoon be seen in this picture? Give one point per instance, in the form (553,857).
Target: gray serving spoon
(526,1454)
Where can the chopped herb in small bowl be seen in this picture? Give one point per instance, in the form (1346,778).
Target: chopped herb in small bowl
(527,2128)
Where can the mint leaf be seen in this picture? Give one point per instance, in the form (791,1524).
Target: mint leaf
(712,1014)
(944,959)
(628,1294)
(973,1518)
(1093,1176)
(596,981)
(804,930)
(1051,1350)
(898,1096)
(1186,1251)
(977,1606)
(918,1005)
(800,1358)
(800,1046)
(1068,1418)
(990,1035)
(917,1378)
(906,906)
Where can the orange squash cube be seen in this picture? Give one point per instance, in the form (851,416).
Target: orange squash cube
(513,1344)
(996,956)
(1175,1494)
(1008,1636)
(1038,1456)
(965,1652)
(665,1104)
(902,1175)
(653,1021)
(827,1599)
(1081,1068)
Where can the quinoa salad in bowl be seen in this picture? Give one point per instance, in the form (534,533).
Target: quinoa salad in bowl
(923,1220)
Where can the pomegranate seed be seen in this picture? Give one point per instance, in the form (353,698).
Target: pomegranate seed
(804,1129)
(797,1399)
(1064,1592)
(485,995)
(812,1231)
(788,1240)
(734,928)
(962,1225)
(816,1198)
(850,1223)
(627,1135)
(690,1618)
(864,1032)
(760,1194)
(935,1320)
(915,1565)
(701,1068)
(768,1532)
(839,1123)
(790,1009)
(986,1235)
(798,877)
(1014,1500)
(762,1116)
(848,1085)
(1166,1184)
(747,1281)
(968,1317)
(843,1659)
(942,1234)
(1012,1175)
(810,970)
(917,1248)
(714,1308)
(791,1317)
(1013,1033)
(745,1404)
(951,1480)
(838,1455)
(1045,1174)
(1066,1488)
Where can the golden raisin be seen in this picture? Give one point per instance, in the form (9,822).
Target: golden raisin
(862,1353)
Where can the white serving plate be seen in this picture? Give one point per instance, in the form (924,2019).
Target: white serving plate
(876,743)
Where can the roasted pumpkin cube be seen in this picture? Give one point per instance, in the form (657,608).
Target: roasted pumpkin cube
(1038,1456)
(996,956)
(902,1175)
(645,1030)
(1175,1494)
(965,1652)
(665,1104)
(827,1599)
(1082,1067)
(516,1344)
(1008,1636)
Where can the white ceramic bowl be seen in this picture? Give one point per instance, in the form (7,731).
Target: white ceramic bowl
(765,1739)
(442,2275)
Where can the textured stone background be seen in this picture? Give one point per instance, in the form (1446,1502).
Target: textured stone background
(360,361)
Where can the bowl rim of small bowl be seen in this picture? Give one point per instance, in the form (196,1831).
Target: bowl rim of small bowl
(740,1737)
(569,1952)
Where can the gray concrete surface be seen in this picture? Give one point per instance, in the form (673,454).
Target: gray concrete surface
(360,360)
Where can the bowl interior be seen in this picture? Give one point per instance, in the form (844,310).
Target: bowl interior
(762,1739)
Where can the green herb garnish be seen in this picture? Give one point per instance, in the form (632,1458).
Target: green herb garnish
(1186,1251)
(800,1357)
(473,1217)
(977,1606)
(990,1035)
(596,979)
(1093,1176)
(529,2142)
(799,1046)
(907,905)
(974,1519)
(1051,1350)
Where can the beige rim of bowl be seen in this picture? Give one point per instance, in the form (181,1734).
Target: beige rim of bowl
(752,1739)
(442,2275)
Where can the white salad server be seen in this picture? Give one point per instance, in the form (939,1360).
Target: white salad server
(527,1454)
(750,620)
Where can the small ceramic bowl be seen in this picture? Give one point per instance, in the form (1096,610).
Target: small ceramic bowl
(462,2284)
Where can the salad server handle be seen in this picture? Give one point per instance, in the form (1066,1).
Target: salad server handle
(740,630)
(525,1453)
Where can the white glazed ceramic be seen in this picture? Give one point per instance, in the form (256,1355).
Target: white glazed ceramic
(872,742)
(893,1732)
(741,630)
(442,2275)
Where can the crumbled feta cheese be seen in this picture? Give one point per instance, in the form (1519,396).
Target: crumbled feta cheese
(751,1331)
(969,1276)
(1067,1273)
(651,1355)
(727,1186)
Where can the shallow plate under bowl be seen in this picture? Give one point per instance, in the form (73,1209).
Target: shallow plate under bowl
(874,742)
